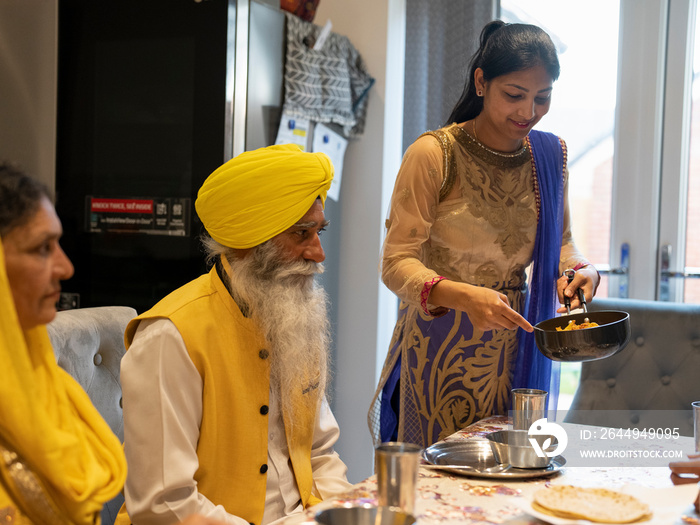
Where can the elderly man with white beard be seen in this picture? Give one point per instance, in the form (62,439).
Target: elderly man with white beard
(224,381)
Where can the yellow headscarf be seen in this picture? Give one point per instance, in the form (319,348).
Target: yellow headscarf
(49,421)
(259,194)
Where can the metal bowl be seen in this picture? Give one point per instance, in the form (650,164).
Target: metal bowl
(364,515)
(512,447)
(588,344)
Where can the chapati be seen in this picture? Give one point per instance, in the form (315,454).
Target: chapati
(594,504)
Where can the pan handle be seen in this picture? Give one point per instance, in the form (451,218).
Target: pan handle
(582,298)
(581,295)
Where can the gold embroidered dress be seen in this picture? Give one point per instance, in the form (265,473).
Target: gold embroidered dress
(473,222)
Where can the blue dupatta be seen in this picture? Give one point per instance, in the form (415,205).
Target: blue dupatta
(534,370)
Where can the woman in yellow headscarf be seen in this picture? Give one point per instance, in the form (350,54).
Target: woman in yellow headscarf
(59,460)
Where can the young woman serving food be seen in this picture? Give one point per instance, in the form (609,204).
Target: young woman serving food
(474,205)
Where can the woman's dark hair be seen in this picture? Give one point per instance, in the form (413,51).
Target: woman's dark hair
(504,48)
(20,197)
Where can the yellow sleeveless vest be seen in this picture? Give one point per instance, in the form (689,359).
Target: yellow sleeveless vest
(231,356)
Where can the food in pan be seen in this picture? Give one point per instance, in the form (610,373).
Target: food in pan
(594,504)
(573,326)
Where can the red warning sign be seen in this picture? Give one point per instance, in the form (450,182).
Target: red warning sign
(121,205)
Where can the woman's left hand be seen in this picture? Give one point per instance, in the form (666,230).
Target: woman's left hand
(585,278)
(687,471)
(683,472)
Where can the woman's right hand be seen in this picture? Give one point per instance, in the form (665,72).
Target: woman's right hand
(196,519)
(487,309)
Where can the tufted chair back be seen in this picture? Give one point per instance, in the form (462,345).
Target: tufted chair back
(653,380)
(89,345)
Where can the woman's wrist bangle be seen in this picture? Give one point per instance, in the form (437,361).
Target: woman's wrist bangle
(425,292)
(583,265)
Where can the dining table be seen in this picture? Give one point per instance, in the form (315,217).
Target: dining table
(448,496)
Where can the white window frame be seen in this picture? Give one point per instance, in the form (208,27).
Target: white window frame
(651,140)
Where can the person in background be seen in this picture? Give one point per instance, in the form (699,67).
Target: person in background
(683,472)
(234,365)
(60,460)
(474,204)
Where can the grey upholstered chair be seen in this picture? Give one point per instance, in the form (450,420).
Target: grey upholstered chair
(653,380)
(89,345)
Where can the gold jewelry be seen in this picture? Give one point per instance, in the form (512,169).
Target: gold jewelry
(535,181)
(516,153)
(16,477)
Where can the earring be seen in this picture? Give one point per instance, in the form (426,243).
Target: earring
(479,93)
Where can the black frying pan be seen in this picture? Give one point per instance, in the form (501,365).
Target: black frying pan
(588,344)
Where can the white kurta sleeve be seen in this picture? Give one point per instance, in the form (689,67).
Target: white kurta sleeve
(162,399)
(329,471)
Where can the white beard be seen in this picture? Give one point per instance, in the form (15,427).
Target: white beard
(291,309)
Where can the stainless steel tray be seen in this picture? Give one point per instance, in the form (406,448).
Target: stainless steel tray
(475,459)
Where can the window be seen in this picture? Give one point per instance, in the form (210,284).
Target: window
(635,168)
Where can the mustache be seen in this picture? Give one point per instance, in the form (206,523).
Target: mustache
(269,263)
(298,269)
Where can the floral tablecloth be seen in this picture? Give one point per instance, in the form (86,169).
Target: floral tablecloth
(445,498)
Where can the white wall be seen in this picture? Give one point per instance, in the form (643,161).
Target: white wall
(366,309)
(28,36)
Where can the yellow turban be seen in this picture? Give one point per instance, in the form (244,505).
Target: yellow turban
(259,194)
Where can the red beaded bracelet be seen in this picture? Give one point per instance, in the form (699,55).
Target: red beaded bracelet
(426,292)
(583,265)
